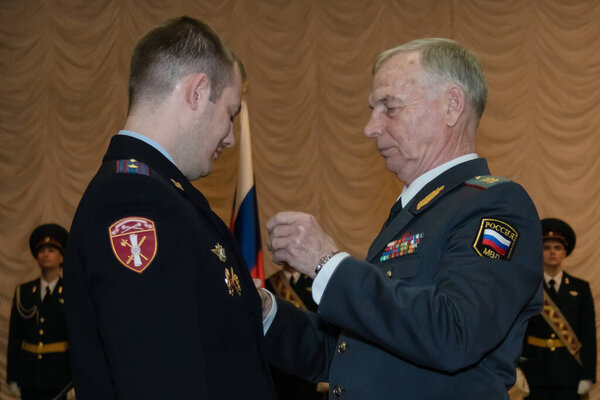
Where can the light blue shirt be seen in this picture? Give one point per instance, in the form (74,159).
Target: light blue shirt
(149,141)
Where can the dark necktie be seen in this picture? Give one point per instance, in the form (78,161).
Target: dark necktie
(47,296)
(552,290)
(397,207)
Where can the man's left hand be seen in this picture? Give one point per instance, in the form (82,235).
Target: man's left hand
(297,239)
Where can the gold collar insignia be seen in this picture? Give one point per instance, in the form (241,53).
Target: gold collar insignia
(429,197)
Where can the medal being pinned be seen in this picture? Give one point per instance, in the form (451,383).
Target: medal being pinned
(233,282)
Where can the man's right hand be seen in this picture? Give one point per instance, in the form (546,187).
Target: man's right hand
(267,303)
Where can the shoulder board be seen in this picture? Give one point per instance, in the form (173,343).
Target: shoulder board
(131,166)
(486,181)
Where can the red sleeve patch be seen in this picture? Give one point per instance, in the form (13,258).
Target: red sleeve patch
(133,241)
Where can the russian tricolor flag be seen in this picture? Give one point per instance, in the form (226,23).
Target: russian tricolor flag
(496,241)
(244,221)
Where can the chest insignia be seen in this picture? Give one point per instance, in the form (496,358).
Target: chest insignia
(133,241)
(407,244)
(495,239)
(233,282)
(219,251)
(429,197)
(573,293)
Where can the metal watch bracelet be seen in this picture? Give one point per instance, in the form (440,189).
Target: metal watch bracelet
(323,260)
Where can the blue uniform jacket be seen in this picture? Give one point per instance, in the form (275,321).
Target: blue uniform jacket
(189,326)
(435,311)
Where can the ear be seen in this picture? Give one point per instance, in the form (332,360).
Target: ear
(197,91)
(455,104)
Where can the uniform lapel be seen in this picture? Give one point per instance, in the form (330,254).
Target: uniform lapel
(426,197)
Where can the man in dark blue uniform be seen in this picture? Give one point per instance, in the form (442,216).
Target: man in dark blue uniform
(439,308)
(560,345)
(37,365)
(160,302)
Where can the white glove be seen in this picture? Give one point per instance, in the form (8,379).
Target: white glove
(584,387)
(14,387)
(521,383)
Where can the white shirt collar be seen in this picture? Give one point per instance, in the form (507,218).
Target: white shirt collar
(149,141)
(411,190)
(45,284)
(557,278)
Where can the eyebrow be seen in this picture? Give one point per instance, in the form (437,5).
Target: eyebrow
(388,98)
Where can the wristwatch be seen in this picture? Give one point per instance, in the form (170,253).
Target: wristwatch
(323,260)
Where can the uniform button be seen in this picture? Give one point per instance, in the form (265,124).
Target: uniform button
(342,347)
(337,391)
(41,332)
(553,335)
(389,274)
(39,356)
(42,320)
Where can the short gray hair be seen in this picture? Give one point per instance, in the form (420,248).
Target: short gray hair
(444,60)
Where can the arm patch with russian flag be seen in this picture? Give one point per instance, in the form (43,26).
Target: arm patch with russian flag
(496,239)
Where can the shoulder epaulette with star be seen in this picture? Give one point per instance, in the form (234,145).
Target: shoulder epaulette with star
(486,181)
(131,166)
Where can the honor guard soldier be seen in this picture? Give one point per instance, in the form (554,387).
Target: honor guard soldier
(559,357)
(37,362)
(438,309)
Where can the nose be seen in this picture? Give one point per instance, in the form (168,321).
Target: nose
(229,140)
(373,126)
